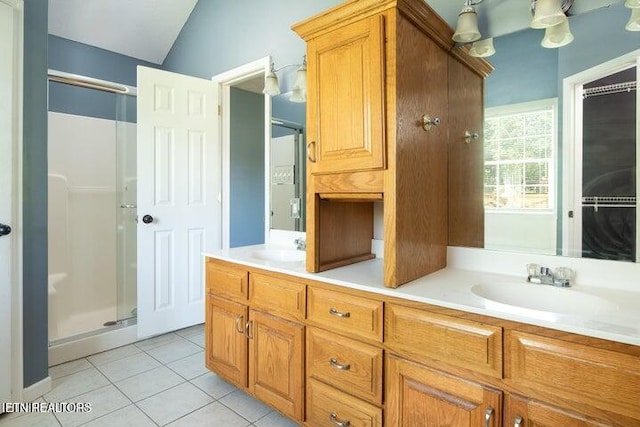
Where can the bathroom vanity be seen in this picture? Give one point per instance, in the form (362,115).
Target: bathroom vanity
(340,349)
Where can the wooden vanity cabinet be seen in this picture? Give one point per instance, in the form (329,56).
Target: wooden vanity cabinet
(225,341)
(344,357)
(377,69)
(523,412)
(420,396)
(255,338)
(324,355)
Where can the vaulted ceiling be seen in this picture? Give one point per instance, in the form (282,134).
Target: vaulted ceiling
(147,29)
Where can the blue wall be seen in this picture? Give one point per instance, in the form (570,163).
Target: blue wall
(77,58)
(221,35)
(247,168)
(524,70)
(34,175)
(599,37)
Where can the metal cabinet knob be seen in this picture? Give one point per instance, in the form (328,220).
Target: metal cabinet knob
(428,122)
(469,136)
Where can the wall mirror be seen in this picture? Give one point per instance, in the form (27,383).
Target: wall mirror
(563,183)
(287,165)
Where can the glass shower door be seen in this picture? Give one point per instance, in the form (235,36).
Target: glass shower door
(126,222)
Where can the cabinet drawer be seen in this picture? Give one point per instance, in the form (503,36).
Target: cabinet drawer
(345,313)
(348,365)
(277,296)
(224,279)
(601,378)
(423,335)
(327,406)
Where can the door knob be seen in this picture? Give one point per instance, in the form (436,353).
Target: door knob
(4,230)
(147,219)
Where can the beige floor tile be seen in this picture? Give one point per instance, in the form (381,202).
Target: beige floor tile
(149,383)
(103,401)
(75,384)
(190,367)
(174,403)
(128,367)
(205,417)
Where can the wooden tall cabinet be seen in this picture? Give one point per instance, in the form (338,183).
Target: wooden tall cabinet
(466,154)
(378,123)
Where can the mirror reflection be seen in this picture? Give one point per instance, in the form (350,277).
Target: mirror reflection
(287,175)
(560,141)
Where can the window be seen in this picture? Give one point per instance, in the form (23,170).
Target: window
(519,147)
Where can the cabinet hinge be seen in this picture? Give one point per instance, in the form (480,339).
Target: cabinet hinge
(219,110)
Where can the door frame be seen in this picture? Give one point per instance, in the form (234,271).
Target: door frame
(16,286)
(572,90)
(225,81)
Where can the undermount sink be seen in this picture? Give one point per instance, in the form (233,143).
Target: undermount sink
(279,255)
(544,298)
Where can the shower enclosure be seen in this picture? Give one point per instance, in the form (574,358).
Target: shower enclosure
(91,207)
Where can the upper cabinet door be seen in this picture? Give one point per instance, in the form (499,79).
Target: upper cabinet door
(345,99)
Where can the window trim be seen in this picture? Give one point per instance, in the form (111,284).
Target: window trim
(522,108)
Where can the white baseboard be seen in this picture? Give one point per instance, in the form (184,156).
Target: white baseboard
(36,390)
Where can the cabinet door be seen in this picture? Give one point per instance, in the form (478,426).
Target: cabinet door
(522,412)
(466,157)
(345,99)
(226,343)
(418,396)
(276,364)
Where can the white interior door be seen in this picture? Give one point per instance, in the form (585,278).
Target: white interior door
(178,186)
(8,170)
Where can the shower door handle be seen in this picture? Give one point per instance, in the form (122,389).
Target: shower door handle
(147,219)
(128,206)
(4,230)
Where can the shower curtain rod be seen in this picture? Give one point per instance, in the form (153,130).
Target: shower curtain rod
(91,83)
(286,124)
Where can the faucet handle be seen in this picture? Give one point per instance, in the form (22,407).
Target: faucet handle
(533,270)
(563,276)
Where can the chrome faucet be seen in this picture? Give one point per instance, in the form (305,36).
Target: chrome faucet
(301,244)
(561,278)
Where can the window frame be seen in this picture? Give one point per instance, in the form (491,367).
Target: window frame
(522,108)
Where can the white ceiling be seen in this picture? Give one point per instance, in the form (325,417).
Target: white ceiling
(147,29)
(143,29)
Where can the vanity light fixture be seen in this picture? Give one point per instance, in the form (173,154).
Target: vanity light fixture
(547,13)
(467,29)
(634,21)
(557,36)
(482,48)
(299,93)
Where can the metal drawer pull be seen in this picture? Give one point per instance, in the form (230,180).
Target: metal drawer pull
(333,417)
(487,416)
(238,324)
(334,312)
(248,328)
(339,366)
(312,158)
(518,422)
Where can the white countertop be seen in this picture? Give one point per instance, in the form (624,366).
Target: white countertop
(452,288)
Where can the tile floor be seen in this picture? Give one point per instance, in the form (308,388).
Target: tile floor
(161,381)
